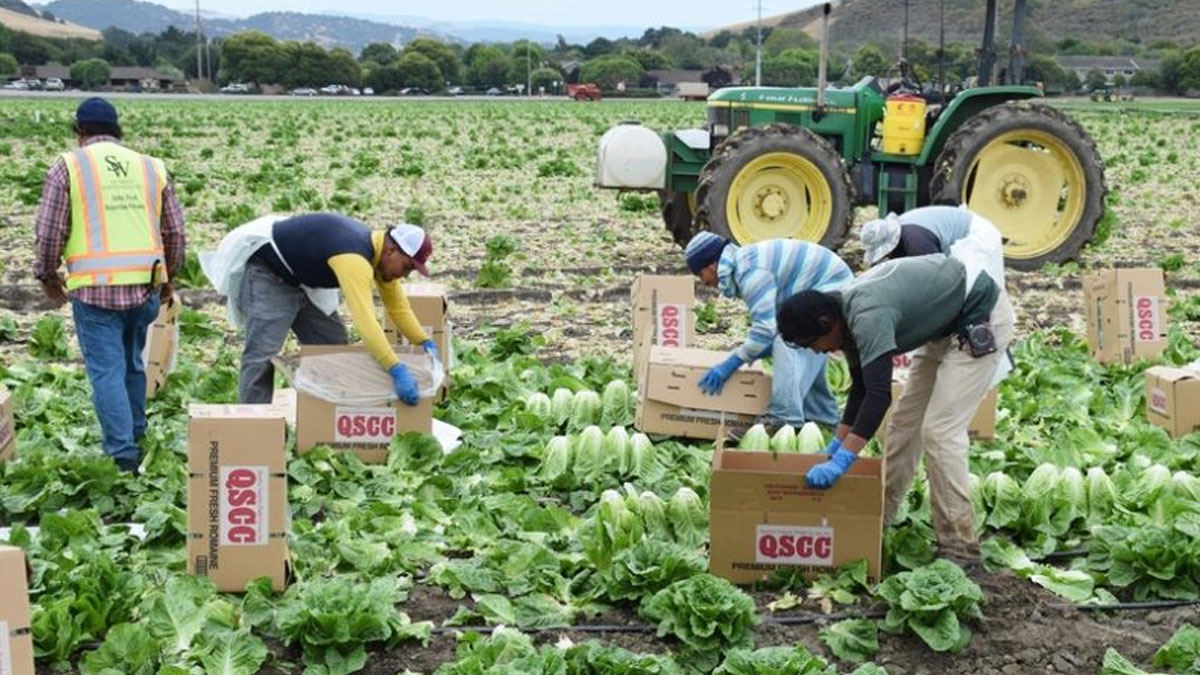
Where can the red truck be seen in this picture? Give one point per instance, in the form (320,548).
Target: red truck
(583,92)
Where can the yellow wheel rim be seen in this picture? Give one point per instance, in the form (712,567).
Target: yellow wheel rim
(779,195)
(1031,186)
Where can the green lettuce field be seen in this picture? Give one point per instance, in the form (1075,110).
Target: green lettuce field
(557,539)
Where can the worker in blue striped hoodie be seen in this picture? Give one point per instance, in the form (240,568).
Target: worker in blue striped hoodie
(763,275)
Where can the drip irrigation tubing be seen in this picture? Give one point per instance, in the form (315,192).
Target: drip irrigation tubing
(805,619)
(1062,555)
(821,618)
(1131,606)
(793,620)
(582,628)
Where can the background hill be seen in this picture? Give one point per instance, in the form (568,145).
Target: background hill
(17,15)
(857,22)
(146,17)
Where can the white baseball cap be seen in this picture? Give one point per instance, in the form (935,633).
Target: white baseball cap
(415,243)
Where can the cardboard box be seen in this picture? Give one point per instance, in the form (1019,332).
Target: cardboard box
(670,401)
(162,346)
(431,305)
(237,494)
(285,401)
(662,315)
(1126,314)
(16,640)
(901,364)
(1173,399)
(983,424)
(364,430)
(8,427)
(763,517)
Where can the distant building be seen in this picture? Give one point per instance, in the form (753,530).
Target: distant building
(1111,66)
(571,70)
(143,78)
(667,82)
(120,77)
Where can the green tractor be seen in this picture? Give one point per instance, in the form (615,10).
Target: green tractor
(793,163)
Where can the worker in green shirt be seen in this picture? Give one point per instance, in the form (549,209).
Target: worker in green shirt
(964,323)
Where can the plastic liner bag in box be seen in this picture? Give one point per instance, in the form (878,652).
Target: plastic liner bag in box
(355,378)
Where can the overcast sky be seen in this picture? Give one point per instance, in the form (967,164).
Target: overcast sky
(699,13)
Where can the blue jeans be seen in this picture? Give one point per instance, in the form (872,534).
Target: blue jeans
(799,391)
(112,343)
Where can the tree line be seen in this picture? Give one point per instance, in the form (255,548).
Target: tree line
(790,58)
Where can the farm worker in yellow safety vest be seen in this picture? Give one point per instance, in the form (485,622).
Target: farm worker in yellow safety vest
(113,214)
(290,270)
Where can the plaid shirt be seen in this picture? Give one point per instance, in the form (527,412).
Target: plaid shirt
(52,227)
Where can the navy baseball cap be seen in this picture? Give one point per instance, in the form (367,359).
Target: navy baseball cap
(96,110)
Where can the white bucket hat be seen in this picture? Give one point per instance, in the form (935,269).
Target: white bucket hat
(880,237)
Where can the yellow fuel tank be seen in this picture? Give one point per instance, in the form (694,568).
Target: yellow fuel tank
(904,124)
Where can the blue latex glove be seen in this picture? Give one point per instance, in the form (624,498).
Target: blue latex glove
(714,380)
(825,474)
(431,349)
(405,385)
(833,447)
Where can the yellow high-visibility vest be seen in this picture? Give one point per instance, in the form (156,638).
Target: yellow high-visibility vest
(116,208)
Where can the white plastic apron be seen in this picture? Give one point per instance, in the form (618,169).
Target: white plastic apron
(982,251)
(226,267)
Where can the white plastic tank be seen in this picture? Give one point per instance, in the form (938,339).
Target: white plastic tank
(631,156)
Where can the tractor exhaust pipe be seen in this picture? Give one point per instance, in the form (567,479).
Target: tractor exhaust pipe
(987,55)
(823,66)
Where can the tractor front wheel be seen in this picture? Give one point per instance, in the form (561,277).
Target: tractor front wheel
(776,182)
(1032,171)
(679,214)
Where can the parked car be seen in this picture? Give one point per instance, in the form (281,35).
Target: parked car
(413,91)
(54,84)
(337,90)
(235,88)
(304,91)
(495,92)
(456,91)
(354,91)
(583,92)
(16,85)
(367,91)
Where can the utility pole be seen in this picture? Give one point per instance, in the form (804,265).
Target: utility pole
(757,49)
(528,71)
(199,46)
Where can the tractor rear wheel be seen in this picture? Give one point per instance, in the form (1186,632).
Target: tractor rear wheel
(776,182)
(1032,171)
(679,215)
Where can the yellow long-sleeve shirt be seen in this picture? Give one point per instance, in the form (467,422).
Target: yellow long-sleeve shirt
(355,276)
